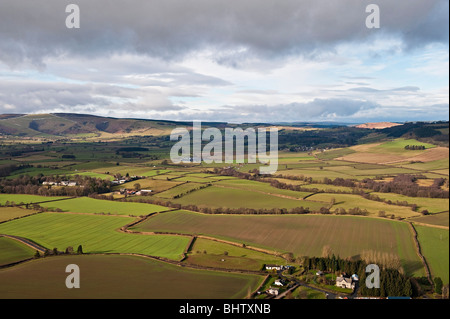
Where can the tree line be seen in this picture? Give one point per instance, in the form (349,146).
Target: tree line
(32,185)
(392,281)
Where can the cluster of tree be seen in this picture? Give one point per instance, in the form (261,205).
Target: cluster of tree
(404,184)
(390,202)
(414,147)
(31,206)
(331,137)
(25,184)
(8,169)
(68,156)
(191,190)
(69,251)
(392,281)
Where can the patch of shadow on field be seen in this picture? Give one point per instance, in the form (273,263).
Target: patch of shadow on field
(411,266)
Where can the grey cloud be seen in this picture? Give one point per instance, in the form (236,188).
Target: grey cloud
(33,30)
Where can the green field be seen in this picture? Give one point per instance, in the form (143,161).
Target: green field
(433,205)
(97,206)
(127,277)
(179,190)
(435,247)
(221,255)
(433,165)
(12,251)
(219,197)
(303,235)
(260,187)
(149,183)
(307,293)
(94,175)
(349,201)
(26,199)
(398,146)
(97,234)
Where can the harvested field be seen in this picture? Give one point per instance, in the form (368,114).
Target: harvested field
(436,219)
(303,235)
(7,213)
(44,278)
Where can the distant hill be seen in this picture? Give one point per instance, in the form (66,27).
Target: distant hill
(378,125)
(67,124)
(70,125)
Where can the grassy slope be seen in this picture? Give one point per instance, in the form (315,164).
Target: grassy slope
(90,205)
(235,257)
(217,197)
(26,199)
(12,251)
(97,234)
(435,247)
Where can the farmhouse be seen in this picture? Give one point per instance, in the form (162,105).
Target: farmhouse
(274,267)
(345,282)
(279,282)
(273,291)
(144,192)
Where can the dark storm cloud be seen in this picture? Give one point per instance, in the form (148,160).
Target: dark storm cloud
(31,30)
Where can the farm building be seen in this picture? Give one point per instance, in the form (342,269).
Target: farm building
(274,267)
(345,282)
(273,291)
(279,282)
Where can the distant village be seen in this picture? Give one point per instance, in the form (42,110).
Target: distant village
(118,181)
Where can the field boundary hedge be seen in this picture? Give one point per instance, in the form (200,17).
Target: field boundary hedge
(419,253)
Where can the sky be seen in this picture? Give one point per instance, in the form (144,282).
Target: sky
(227,60)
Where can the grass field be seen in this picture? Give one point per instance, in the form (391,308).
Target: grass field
(303,235)
(26,199)
(216,254)
(97,206)
(219,197)
(307,293)
(435,247)
(433,205)
(260,187)
(149,183)
(97,234)
(144,279)
(181,189)
(94,175)
(13,251)
(349,201)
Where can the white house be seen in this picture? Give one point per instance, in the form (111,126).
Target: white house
(273,291)
(345,282)
(274,267)
(279,282)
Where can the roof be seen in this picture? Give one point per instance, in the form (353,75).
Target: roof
(339,279)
